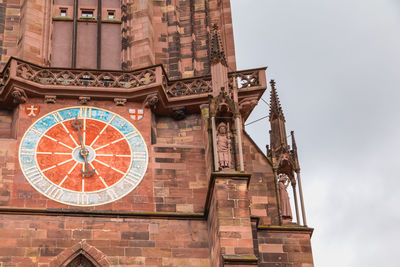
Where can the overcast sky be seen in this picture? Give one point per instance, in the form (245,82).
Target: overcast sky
(337,68)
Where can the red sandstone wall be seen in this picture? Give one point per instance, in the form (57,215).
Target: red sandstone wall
(174,33)
(124,242)
(11,18)
(180,181)
(181,35)
(175,181)
(284,248)
(262,188)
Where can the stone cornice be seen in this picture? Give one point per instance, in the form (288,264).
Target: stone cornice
(102,213)
(287,228)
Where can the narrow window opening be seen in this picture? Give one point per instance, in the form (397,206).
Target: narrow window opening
(111,14)
(63,12)
(87,14)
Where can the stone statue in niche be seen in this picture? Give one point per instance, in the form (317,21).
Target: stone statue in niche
(283,184)
(224,146)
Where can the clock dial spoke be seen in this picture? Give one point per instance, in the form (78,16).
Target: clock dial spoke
(74,179)
(48,160)
(110,166)
(93,183)
(57,174)
(93,131)
(69,133)
(73,133)
(118,148)
(109,175)
(97,173)
(106,138)
(59,134)
(120,163)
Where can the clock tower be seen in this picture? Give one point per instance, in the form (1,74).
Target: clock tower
(122,141)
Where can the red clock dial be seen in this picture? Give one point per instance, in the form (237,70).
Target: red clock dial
(59,155)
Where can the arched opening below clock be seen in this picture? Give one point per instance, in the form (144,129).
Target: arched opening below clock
(80,261)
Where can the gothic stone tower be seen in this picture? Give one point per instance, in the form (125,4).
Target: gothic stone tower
(122,141)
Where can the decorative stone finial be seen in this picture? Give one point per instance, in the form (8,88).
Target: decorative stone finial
(275,110)
(217,53)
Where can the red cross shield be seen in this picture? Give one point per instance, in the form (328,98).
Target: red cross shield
(32,110)
(136,114)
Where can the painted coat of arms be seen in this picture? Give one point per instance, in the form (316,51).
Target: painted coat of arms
(32,110)
(136,114)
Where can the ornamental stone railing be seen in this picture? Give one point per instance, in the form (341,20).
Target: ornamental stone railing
(201,85)
(91,78)
(247,79)
(123,82)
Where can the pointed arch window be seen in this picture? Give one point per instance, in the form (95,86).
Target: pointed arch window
(80,261)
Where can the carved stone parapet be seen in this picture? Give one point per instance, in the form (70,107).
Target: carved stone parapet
(84,100)
(190,87)
(50,99)
(90,78)
(179,113)
(19,96)
(120,101)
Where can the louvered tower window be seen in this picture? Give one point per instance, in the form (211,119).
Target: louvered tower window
(86,34)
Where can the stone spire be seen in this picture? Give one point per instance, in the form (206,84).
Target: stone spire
(217,54)
(278,139)
(275,110)
(294,152)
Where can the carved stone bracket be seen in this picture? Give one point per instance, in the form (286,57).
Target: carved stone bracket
(50,99)
(120,101)
(19,96)
(247,105)
(151,101)
(179,113)
(84,100)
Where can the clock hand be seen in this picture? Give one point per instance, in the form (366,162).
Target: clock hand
(88,172)
(78,125)
(84,151)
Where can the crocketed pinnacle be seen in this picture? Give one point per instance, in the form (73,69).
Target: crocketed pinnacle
(275,109)
(217,53)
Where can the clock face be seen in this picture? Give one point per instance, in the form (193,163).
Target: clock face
(83,156)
